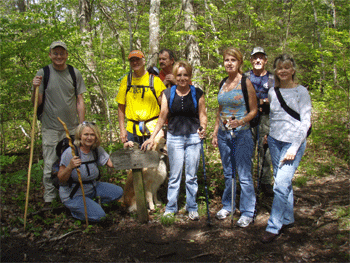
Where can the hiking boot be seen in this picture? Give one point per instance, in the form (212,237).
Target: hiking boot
(193,215)
(267,189)
(222,214)
(168,214)
(244,221)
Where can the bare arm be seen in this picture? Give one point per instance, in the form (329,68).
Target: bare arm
(161,120)
(65,172)
(121,120)
(202,117)
(81,108)
(109,163)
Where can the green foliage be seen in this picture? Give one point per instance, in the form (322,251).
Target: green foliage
(167,220)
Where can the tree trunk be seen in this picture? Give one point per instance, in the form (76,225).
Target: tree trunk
(193,56)
(322,76)
(335,78)
(153,33)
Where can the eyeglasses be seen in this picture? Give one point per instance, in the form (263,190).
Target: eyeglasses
(57,54)
(88,123)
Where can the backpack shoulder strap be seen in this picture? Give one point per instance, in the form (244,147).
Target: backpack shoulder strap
(74,77)
(245,92)
(284,105)
(172,96)
(128,83)
(46,76)
(194,96)
(151,86)
(222,83)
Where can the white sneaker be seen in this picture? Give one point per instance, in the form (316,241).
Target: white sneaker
(169,214)
(222,214)
(244,221)
(193,215)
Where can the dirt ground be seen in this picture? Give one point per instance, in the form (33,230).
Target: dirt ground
(318,235)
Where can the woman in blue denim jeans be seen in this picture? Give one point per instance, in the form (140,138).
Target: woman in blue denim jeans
(287,142)
(184,106)
(232,128)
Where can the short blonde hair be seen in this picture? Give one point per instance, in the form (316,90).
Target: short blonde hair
(235,53)
(182,64)
(79,132)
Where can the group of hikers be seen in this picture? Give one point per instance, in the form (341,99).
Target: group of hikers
(256,107)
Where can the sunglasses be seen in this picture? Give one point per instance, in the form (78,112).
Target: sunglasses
(88,123)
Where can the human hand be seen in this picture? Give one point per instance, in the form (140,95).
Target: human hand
(287,157)
(201,132)
(75,162)
(148,144)
(214,141)
(123,136)
(37,81)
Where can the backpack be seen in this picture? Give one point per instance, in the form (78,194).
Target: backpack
(172,96)
(60,148)
(46,69)
(290,111)
(254,122)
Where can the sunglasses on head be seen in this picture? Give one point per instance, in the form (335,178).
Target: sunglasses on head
(88,123)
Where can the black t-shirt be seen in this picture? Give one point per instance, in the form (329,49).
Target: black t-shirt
(183,118)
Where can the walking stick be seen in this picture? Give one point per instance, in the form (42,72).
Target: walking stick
(36,90)
(78,171)
(233,185)
(205,183)
(259,182)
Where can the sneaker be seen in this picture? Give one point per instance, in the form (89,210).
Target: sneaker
(193,215)
(168,214)
(222,214)
(244,221)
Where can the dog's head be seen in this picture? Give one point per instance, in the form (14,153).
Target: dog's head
(160,146)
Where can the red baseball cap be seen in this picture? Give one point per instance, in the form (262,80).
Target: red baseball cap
(135,54)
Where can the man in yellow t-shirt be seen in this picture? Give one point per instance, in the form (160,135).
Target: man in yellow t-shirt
(140,105)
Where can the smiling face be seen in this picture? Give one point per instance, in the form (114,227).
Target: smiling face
(258,61)
(231,64)
(58,57)
(182,78)
(137,64)
(88,137)
(285,71)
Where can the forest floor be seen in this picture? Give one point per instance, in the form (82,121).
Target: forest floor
(52,235)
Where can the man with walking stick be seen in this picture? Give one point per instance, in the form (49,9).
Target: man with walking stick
(262,81)
(61,89)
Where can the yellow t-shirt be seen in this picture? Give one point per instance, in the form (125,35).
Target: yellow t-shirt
(136,107)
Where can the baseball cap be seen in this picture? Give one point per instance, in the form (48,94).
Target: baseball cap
(258,50)
(58,44)
(135,54)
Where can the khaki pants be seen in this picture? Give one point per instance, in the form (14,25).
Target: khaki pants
(50,140)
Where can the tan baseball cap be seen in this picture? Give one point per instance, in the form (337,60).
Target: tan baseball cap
(135,54)
(58,44)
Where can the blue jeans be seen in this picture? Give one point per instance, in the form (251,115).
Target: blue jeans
(282,206)
(243,153)
(183,149)
(106,191)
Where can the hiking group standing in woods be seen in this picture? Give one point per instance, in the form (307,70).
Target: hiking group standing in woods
(255,108)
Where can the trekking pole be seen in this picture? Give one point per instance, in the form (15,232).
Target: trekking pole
(258,187)
(233,184)
(78,171)
(36,94)
(205,180)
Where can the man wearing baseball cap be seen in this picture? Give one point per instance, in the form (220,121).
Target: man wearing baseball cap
(262,81)
(138,100)
(61,89)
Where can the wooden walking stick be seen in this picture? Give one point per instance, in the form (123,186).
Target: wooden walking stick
(36,90)
(78,171)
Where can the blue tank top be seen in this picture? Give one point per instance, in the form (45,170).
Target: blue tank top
(233,105)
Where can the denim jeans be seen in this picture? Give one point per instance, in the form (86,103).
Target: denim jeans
(282,206)
(243,153)
(183,149)
(106,191)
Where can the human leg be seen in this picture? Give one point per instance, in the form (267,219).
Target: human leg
(108,192)
(282,206)
(244,151)
(192,156)
(76,206)
(226,148)
(176,153)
